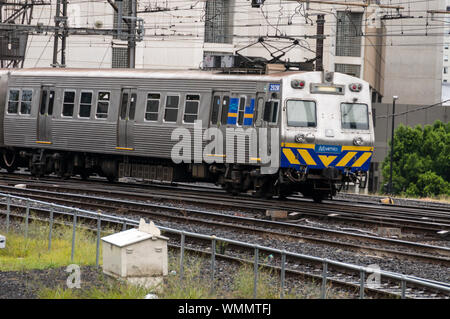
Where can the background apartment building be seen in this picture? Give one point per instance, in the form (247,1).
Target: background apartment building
(416,70)
(178,35)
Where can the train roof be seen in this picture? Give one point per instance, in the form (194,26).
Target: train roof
(149,73)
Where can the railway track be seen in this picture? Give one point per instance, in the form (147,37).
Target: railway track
(312,271)
(407,219)
(179,204)
(125,202)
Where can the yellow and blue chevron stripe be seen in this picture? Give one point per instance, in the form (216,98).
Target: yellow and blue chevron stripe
(356,158)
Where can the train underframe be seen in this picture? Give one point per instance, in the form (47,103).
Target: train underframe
(234,178)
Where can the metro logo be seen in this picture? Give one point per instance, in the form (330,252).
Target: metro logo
(328,149)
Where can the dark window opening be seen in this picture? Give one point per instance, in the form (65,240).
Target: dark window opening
(68,104)
(25,104)
(102,105)
(171,112)
(51,101)
(191,108)
(152,110)
(132,110)
(13,102)
(225,109)
(217,22)
(85,104)
(349,33)
(215,110)
(123,106)
(43,102)
(271,111)
(241,111)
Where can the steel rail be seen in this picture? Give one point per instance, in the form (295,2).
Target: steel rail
(314,211)
(247,224)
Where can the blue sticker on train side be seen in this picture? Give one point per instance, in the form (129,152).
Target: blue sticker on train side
(233,111)
(334,149)
(234,105)
(249,110)
(274,87)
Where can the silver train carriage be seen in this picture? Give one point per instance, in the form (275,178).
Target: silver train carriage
(130,123)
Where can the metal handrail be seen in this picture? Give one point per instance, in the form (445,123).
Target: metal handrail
(99,217)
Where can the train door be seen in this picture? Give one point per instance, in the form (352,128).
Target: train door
(45,113)
(127,111)
(219,110)
(259,123)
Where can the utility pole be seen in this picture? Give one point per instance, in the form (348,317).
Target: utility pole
(132,36)
(60,33)
(131,21)
(319,42)
(392,144)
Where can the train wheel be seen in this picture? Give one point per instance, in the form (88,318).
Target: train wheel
(112,178)
(318,198)
(85,175)
(9,161)
(228,187)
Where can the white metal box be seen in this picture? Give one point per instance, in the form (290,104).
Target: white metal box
(135,254)
(2,241)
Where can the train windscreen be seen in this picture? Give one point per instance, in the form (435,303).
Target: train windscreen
(301,113)
(355,116)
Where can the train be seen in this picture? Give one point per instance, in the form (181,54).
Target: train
(267,135)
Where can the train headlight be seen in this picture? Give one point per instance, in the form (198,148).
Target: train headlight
(358,141)
(355,87)
(310,137)
(299,138)
(298,84)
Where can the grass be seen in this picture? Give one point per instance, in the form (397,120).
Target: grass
(32,252)
(109,290)
(438,198)
(29,253)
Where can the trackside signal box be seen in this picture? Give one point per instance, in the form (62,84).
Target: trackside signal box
(137,255)
(2,241)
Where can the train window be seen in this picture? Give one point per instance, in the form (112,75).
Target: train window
(51,101)
(43,102)
(274,117)
(215,110)
(301,113)
(271,111)
(191,108)
(225,108)
(152,111)
(132,110)
(123,106)
(171,113)
(355,116)
(85,104)
(13,101)
(241,110)
(103,105)
(68,104)
(267,111)
(25,102)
